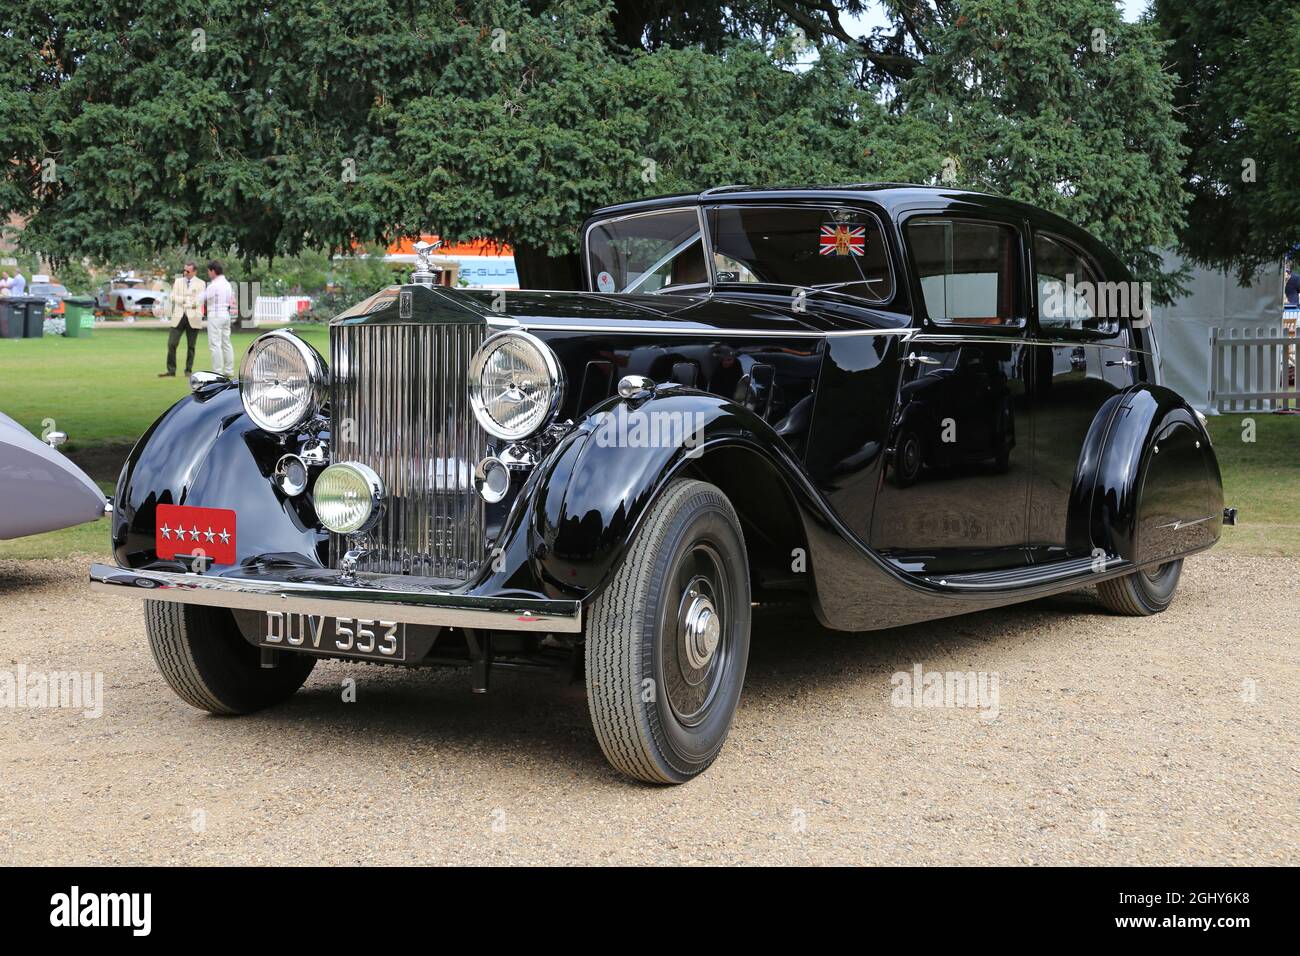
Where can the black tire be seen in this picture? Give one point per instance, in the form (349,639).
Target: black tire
(209,665)
(1143,592)
(661,699)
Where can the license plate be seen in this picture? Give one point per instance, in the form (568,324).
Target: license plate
(355,637)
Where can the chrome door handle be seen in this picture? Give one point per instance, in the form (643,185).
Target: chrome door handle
(914,360)
(1126,362)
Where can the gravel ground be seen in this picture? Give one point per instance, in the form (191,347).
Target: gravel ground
(1117,740)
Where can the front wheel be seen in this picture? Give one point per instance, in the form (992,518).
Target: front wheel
(668,639)
(204,657)
(1143,592)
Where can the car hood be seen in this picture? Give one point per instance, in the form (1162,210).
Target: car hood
(578,311)
(546,309)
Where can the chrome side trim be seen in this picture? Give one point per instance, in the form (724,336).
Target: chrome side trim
(670,327)
(959,338)
(324,592)
(1185,523)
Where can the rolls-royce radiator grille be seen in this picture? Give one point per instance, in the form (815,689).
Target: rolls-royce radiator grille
(400,404)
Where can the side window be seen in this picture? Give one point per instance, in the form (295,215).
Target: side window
(647,253)
(1072,296)
(969,271)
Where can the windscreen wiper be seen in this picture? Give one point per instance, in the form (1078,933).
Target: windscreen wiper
(829,286)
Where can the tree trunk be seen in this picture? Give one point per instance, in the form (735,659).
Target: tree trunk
(539,270)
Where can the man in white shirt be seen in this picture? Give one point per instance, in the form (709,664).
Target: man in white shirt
(220,301)
(187,319)
(18,285)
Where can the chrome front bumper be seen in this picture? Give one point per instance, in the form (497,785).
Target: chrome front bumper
(325,593)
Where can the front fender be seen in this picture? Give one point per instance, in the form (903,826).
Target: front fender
(205,452)
(579,512)
(1156,491)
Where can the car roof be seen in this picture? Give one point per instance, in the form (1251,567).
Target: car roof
(893,198)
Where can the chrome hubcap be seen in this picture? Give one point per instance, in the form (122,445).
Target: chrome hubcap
(696,652)
(701,630)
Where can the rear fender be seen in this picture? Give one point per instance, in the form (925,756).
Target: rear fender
(1148,479)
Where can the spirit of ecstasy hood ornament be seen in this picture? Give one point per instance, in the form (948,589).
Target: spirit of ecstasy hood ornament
(425,273)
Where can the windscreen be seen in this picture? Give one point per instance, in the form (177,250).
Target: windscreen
(805,246)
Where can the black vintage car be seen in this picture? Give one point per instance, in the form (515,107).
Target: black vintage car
(892,403)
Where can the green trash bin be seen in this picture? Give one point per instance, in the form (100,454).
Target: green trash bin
(78,316)
(34,318)
(13,313)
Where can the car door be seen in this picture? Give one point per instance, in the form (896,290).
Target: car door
(956,485)
(1082,358)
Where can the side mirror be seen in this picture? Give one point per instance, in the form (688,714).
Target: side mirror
(55,439)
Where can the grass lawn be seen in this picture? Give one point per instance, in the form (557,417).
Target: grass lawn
(1261,479)
(103,389)
(104,392)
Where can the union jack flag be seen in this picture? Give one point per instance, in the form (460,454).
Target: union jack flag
(838,239)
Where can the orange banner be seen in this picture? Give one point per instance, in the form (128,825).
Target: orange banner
(475,247)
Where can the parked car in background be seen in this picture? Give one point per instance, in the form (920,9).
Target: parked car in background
(132,295)
(864,400)
(40,490)
(53,292)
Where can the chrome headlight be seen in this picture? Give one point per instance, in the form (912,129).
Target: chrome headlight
(349,498)
(515,384)
(282,381)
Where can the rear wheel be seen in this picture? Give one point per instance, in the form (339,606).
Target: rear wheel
(668,639)
(1142,592)
(204,657)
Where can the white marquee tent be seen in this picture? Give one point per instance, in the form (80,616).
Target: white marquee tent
(1214,299)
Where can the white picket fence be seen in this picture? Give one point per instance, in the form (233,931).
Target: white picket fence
(1253,368)
(272,309)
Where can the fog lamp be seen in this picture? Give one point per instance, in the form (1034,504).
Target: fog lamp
(349,498)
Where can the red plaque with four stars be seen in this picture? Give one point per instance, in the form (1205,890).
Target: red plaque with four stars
(186,532)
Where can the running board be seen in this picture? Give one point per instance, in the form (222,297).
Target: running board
(1017,579)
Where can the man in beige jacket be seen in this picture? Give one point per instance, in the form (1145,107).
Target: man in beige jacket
(187,318)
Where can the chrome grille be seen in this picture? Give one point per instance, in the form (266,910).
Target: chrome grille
(400,404)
